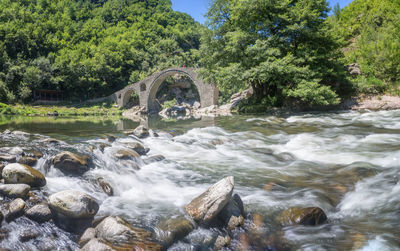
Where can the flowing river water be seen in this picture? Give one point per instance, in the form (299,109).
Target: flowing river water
(347,163)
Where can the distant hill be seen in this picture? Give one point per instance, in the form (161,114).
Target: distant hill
(369,31)
(89,48)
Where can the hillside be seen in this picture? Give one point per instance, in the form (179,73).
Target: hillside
(89,48)
(369,31)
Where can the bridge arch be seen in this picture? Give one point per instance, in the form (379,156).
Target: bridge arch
(147,89)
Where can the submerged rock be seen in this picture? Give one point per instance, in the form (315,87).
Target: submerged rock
(175,229)
(26,160)
(152,159)
(8,158)
(137,147)
(206,207)
(15,209)
(19,173)
(304,216)
(141,132)
(107,188)
(73,210)
(71,163)
(28,234)
(126,154)
(14,190)
(39,213)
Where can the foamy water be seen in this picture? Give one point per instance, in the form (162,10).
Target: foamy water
(346,163)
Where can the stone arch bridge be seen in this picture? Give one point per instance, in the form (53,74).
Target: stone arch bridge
(147,89)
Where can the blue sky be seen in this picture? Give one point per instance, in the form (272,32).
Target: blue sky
(197,8)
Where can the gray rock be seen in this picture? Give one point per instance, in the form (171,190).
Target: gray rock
(12,150)
(311,216)
(126,154)
(50,141)
(28,234)
(26,160)
(71,163)
(73,210)
(15,209)
(174,229)
(141,132)
(39,213)
(98,245)
(14,190)
(232,215)
(19,173)
(137,147)
(207,206)
(8,158)
(222,242)
(21,133)
(116,229)
(73,204)
(89,234)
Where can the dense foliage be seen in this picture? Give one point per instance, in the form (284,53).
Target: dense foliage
(283,49)
(89,48)
(369,31)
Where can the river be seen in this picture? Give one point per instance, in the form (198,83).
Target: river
(347,163)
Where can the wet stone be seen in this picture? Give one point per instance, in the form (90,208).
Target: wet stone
(15,209)
(153,159)
(39,213)
(71,163)
(8,158)
(209,204)
(105,186)
(89,234)
(19,173)
(222,242)
(175,229)
(141,132)
(14,190)
(305,216)
(26,160)
(28,234)
(126,154)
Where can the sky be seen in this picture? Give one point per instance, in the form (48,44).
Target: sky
(197,8)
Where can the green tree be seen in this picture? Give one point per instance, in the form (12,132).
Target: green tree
(277,47)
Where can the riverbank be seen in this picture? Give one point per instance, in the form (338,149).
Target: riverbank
(104,109)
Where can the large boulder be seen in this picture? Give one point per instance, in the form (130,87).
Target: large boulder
(207,206)
(304,216)
(119,232)
(39,213)
(89,234)
(73,210)
(19,173)
(98,245)
(15,209)
(174,229)
(71,163)
(14,190)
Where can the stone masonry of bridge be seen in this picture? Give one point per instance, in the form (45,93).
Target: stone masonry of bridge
(147,89)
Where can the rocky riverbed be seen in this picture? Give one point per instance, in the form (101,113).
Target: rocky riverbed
(36,218)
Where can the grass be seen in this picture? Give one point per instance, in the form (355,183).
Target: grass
(104,109)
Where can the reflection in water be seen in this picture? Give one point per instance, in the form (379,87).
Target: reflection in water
(346,163)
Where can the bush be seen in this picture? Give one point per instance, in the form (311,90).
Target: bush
(314,94)
(168,104)
(369,85)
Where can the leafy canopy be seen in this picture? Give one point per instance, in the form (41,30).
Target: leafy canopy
(278,47)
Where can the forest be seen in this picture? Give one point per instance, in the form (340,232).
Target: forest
(295,51)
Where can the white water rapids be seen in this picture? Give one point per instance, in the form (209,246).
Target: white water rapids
(346,163)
